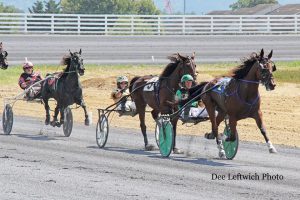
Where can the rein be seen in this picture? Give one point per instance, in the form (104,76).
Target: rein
(247,81)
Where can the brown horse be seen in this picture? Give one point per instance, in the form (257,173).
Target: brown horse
(3,59)
(160,98)
(240,98)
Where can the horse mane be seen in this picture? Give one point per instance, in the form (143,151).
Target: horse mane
(242,70)
(169,69)
(66,60)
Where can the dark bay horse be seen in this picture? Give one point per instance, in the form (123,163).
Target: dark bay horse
(240,98)
(3,57)
(66,90)
(159,99)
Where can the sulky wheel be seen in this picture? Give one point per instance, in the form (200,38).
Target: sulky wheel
(102,131)
(230,148)
(7,119)
(166,137)
(68,122)
(157,135)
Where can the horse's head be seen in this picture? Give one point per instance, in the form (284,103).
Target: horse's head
(76,62)
(266,69)
(187,65)
(3,58)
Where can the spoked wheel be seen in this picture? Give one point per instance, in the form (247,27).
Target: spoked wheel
(102,131)
(166,137)
(230,148)
(68,122)
(157,135)
(7,119)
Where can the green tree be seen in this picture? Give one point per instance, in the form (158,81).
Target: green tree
(38,7)
(52,7)
(250,3)
(71,6)
(146,7)
(109,7)
(8,9)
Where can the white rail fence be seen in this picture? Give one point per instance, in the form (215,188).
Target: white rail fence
(148,24)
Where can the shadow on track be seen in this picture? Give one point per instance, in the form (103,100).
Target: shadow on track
(198,161)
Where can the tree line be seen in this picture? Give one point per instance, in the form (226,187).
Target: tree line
(121,7)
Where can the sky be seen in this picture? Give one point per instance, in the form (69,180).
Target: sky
(195,6)
(205,6)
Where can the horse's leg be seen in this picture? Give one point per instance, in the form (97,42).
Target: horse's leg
(47,108)
(83,105)
(215,121)
(55,121)
(260,125)
(175,149)
(220,118)
(154,114)
(141,110)
(62,115)
(210,107)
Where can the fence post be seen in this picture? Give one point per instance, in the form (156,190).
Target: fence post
(78,24)
(158,25)
(25,23)
(52,24)
(211,24)
(268,25)
(183,25)
(132,26)
(105,25)
(296,23)
(241,24)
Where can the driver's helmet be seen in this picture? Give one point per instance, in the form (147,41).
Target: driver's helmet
(27,65)
(185,78)
(121,79)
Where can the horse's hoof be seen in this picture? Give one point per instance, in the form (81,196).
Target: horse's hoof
(53,123)
(209,136)
(222,154)
(177,151)
(58,124)
(149,147)
(87,122)
(272,150)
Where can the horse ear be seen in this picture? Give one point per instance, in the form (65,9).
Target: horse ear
(270,55)
(262,53)
(181,57)
(193,56)
(6,54)
(80,51)
(0,44)
(70,52)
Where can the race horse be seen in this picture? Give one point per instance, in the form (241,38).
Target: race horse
(66,89)
(240,98)
(163,93)
(3,57)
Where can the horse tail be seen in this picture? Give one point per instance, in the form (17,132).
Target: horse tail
(133,80)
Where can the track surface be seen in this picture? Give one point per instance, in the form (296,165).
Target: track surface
(39,163)
(47,49)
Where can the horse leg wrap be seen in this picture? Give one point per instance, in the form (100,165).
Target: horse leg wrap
(221,149)
(271,147)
